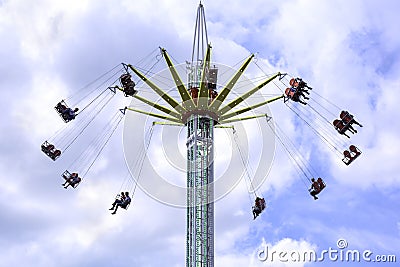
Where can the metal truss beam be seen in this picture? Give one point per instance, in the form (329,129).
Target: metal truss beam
(188,102)
(240,99)
(163,123)
(235,113)
(160,108)
(172,102)
(154,115)
(243,119)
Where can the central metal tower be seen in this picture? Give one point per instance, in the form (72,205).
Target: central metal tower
(200,157)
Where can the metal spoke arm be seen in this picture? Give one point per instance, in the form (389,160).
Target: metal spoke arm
(235,113)
(240,99)
(154,115)
(159,91)
(155,105)
(228,87)
(168,123)
(188,102)
(224,127)
(243,119)
(160,108)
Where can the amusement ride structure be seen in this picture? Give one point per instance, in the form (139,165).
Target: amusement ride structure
(202,106)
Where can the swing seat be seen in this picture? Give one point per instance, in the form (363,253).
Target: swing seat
(61,107)
(351,154)
(127,84)
(67,175)
(50,150)
(260,205)
(321,183)
(125,207)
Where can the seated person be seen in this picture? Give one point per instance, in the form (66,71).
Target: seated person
(127,84)
(294,95)
(341,128)
(321,183)
(355,151)
(69,113)
(60,107)
(119,199)
(130,89)
(125,79)
(73,180)
(122,202)
(256,212)
(47,147)
(293,83)
(258,207)
(299,83)
(348,118)
(351,155)
(55,154)
(213,94)
(50,150)
(347,157)
(315,189)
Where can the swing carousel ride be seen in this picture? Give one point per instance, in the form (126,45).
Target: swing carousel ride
(202,102)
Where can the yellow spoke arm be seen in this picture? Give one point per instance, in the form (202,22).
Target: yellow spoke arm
(243,119)
(159,107)
(154,115)
(188,102)
(240,99)
(235,113)
(172,102)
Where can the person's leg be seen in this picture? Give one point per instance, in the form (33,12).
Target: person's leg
(67,182)
(356,122)
(352,129)
(117,201)
(116,207)
(303,95)
(314,194)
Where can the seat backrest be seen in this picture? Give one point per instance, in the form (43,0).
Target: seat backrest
(316,186)
(321,183)
(126,203)
(75,185)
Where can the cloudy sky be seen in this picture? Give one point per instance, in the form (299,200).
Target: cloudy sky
(349,51)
